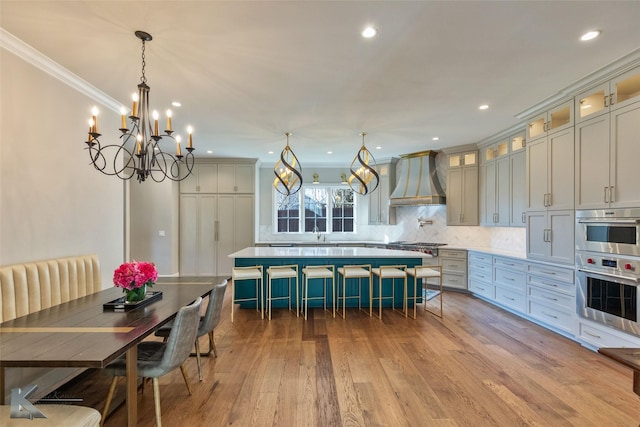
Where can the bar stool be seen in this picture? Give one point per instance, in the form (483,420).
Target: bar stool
(248,273)
(359,272)
(425,272)
(323,272)
(392,272)
(277,272)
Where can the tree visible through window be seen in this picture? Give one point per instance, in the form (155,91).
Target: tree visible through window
(316,210)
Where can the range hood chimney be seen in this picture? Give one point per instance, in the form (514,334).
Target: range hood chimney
(418,182)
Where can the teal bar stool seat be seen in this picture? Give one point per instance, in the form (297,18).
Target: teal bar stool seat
(316,272)
(425,274)
(362,271)
(279,272)
(255,274)
(392,272)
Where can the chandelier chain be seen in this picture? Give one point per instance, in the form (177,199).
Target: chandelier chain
(143,78)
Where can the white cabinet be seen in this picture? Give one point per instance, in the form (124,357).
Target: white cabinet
(203,179)
(551,296)
(462,189)
(454,268)
(597,335)
(551,236)
(212,227)
(606,160)
(236,178)
(481,274)
(510,283)
(494,190)
(550,172)
(609,96)
(380,213)
(558,118)
(518,188)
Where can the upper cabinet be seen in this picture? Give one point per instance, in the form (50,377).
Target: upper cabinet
(554,120)
(236,178)
(203,179)
(380,213)
(611,95)
(462,189)
(210,177)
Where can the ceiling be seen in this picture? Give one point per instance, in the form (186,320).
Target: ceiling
(246,72)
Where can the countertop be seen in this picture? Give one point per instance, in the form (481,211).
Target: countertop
(324,252)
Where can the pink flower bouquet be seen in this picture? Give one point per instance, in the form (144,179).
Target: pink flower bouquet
(133,276)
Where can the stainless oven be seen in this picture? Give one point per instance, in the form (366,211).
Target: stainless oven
(608,290)
(613,231)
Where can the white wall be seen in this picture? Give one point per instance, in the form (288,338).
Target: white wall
(52,202)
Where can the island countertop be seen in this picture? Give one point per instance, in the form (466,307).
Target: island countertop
(324,252)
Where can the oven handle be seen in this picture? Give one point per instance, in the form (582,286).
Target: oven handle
(609,221)
(617,276)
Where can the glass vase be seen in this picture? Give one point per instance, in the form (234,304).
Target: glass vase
(136,295)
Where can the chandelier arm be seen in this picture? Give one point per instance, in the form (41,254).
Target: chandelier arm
(371,170)
(290,186)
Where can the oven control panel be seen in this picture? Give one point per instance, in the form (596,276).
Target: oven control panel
(609,264)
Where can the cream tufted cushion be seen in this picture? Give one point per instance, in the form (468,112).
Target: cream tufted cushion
(30,287)
(57,416)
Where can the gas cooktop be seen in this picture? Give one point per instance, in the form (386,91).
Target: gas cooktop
(416,244)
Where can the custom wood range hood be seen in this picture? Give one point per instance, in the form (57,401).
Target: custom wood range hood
(418,182)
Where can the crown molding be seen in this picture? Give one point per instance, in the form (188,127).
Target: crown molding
(12,44)
(617,67)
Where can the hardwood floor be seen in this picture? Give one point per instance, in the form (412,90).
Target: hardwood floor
(479,366)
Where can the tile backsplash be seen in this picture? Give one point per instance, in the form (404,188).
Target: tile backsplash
(408,228)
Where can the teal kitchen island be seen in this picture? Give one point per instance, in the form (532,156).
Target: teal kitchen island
(319,255)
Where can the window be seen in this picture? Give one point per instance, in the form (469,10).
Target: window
(316,210)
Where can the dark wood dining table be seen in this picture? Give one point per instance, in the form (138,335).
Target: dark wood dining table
(82,334)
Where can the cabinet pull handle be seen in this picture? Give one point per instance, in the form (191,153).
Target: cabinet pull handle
(509,278)
(544,235)
(611,193)
(524,217)
(593,335)
(549,298)
(548,199)
(612,99)
(215,230)
(510,299)
(606,101)
(605,195)
(551,315)
(548,284)
(549,236)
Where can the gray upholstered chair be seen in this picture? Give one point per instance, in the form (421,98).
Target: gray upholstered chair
(156,359)
(208,323)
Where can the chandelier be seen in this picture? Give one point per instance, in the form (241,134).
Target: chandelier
(140,152)
(363,172)
(288,172)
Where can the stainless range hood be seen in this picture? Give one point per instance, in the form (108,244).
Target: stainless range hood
(418,182)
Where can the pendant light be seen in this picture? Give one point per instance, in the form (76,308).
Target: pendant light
(288,172)
(364,179)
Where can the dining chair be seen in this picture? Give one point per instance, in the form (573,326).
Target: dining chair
(156,358)
(208,323)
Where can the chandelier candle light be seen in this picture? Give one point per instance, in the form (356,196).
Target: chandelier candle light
(288,172)
(140,152)
(363,171)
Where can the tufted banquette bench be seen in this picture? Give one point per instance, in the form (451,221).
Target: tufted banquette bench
(30,287)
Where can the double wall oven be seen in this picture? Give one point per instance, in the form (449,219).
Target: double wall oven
(608,264)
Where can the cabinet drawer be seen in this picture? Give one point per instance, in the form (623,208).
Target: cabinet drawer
(510,263)
(510,297)
(559,318)
(515,279)
(480,266)
(550,272)
(552,285)
(458,281)
(481,274)
(601,336)
(481,288)
(480,257)
(550,298)
(455,265)
(452,253)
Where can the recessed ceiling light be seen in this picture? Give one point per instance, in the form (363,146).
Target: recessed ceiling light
(329,152)
(435,138)
(378,148)
(369,32)
(270,152)
(209,152)
(176,104)
(483,107)
(590,35)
